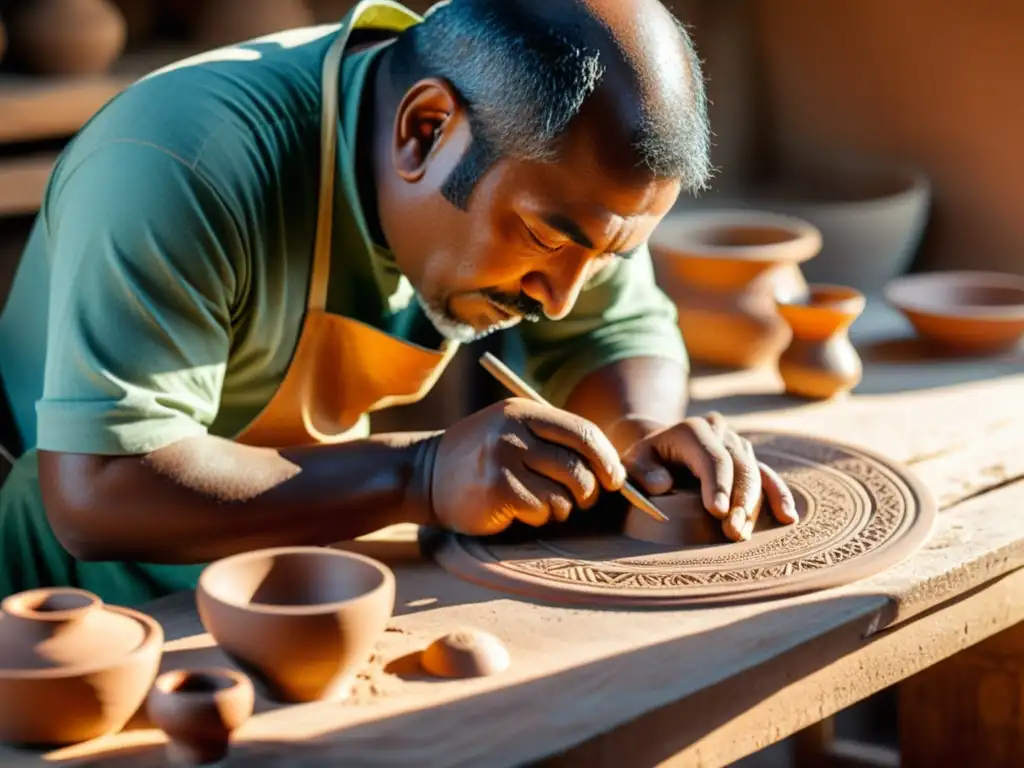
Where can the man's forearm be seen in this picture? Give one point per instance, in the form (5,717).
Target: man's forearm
(631,398)
(205,498)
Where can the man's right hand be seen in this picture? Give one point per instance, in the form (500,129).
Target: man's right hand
(518,460)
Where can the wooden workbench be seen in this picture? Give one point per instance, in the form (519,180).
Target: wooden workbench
(707,686)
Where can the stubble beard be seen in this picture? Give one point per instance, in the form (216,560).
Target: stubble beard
(453,329)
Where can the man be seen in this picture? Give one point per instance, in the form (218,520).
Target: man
(243,254)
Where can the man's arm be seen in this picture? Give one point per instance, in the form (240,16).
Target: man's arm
(204,498)
(148,270)
(632,398)
(618,358)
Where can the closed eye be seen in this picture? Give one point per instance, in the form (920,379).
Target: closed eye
(540,243)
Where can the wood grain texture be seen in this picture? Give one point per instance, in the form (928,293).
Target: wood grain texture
(702,687)
(967,709)
(35,108)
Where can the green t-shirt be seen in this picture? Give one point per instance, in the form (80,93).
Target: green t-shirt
(164,284)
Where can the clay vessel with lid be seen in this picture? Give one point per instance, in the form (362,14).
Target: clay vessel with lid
(224,22)
(199,709)
(66,37)
(721,269)
(963,312)
(71,667)
(820,361)
(300,621)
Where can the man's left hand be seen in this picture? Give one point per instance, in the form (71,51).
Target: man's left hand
(732,479)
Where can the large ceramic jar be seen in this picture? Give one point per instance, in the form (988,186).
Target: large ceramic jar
(722,269)
(872,215)
(66,37)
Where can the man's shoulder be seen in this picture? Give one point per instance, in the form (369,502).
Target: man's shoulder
(229,97)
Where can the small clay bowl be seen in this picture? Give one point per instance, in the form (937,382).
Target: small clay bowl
(300,621)
(975,313)
(199,709)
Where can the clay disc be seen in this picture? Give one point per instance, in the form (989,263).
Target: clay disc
(859,514)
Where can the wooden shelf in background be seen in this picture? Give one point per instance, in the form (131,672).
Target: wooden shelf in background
(22,181)
(34,108)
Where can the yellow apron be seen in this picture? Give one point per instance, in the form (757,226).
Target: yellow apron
(342,369)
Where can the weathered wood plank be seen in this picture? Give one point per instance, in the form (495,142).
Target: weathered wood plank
(36,108)
(780,699)
(967,709)
(22,182)
(579,673)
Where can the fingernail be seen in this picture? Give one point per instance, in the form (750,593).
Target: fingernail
(619,474)
(738,518)
(659,477)
(721,503)
(748,529)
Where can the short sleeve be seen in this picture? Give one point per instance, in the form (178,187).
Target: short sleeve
(620,314)
(144,264)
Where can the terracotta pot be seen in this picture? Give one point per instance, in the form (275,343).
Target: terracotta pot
(223,22)
(820,361)
(199,709)
(301,621)
(972,313)
(73,668)
(722,268)
(67,37)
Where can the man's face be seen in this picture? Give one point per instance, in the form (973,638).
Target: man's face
(533,233)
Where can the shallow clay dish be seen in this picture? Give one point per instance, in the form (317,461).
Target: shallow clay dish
(71,667)
(301,621)
(859,514)
(964,312)
(199,709)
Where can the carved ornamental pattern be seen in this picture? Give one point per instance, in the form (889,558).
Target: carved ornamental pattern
(859,514)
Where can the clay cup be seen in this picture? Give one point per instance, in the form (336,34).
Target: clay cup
(199,709)
(300,621)
(821,361)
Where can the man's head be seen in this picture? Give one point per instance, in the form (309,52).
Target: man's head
(530,143)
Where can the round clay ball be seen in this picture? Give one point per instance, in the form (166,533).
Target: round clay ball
(466,652)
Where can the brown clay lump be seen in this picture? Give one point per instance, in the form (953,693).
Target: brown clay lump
(466,652)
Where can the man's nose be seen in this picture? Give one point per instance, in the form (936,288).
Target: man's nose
(558,287)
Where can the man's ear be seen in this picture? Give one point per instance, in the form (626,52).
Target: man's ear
(424,116)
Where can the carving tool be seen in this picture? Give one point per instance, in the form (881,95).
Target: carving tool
(520,388)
